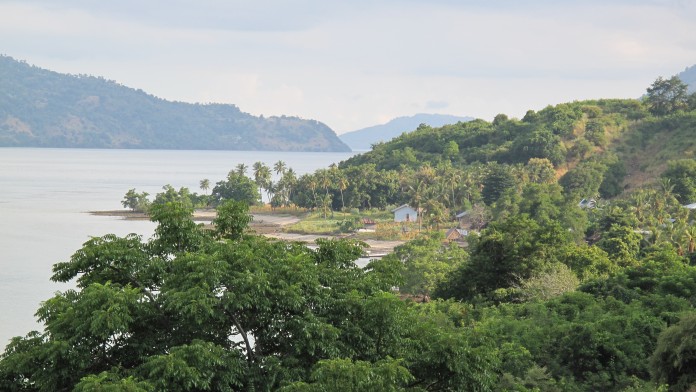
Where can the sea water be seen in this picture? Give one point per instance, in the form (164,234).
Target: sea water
(46,194)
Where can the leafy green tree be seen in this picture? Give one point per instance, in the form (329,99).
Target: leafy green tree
(497,181)
(666,96)
(682,175)
(540,170)
(137,202)
(355,376)
(426,262)
(588,261)
(231,219)
(170,195)
(554,280)
(584,180)
(674,359)
(236,187)
(595,132)
(451,149)
(176,231)
(622,243)
(506,253)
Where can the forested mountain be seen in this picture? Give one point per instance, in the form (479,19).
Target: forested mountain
(41,108)
(549,293)
(363,139)
(620,136)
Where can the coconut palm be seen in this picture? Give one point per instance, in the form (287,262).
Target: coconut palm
(205,185)
(262,177)
(241,169)
(280,167)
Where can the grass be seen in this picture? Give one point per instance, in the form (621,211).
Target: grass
(266,209)
(314,223)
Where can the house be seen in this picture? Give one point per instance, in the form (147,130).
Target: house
(691,206)
(369,225)
(462,218)
(405,213)
(456,234)
(587,203)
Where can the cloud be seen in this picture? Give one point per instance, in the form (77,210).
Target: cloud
(352,64)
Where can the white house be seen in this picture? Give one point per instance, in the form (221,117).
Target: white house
(405,213)
(691,206)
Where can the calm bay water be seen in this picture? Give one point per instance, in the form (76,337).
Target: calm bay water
(45,195)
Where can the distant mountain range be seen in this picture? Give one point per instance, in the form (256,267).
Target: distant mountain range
(41,108)
(363,139)
(688,76)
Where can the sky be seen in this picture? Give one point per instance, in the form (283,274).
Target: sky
(359,63)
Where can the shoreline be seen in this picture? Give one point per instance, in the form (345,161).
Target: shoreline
(268,225)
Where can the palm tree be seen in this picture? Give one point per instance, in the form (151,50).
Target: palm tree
(242,169)
(262,177)
(689,234)
(205,185)
(342,184)
(280,167)
(313,186)
(289,180)
(324,179)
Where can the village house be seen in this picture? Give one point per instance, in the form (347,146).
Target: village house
(456,234)
(405,213)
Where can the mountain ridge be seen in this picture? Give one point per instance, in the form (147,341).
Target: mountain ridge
(363,139)
(43,108)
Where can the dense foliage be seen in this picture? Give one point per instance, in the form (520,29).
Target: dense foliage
(555,289)
(40,108)
(191,310)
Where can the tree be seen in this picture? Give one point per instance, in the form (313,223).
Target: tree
(176,231)
(682,175)
(218,314)
(355,376)
(426,262)
(666,96)
(231,219)
(584,180)
(540,171)
(262,176)
(236,187)
(506,253)
(171,195)
(137,202)
(241,169)
(451,150)
(498,180)
(674,359)
(280,167)
(205,185)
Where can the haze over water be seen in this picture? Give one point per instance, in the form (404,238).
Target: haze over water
(46,194)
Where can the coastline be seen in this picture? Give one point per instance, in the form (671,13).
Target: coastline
(269,225)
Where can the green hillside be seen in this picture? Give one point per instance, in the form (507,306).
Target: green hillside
(622,132)
(41,108)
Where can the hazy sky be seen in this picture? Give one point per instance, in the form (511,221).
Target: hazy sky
(353,64)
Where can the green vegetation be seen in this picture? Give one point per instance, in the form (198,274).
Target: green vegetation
(193,310)
(46,109)
(554,288)
(338,222)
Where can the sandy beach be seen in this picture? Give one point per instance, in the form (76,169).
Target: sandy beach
(269,225)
